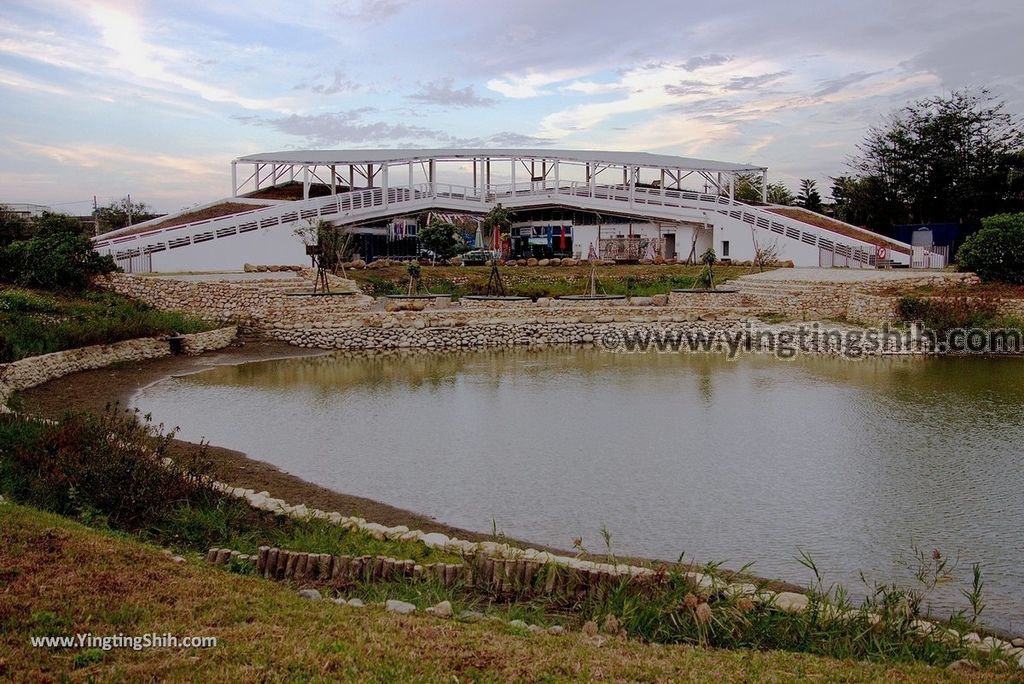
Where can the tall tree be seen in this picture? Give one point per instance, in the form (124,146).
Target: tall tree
(860,201)
(778,193)
(952,158)
(747,187)
(121,213)
(809,197)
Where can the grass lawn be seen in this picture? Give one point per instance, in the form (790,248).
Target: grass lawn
(58,577)
(542,281)
(33,322)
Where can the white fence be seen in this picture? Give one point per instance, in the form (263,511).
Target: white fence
(929,257)
(833,255)
(842,256)
(134,262)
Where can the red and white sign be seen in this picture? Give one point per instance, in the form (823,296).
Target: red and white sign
(880,252)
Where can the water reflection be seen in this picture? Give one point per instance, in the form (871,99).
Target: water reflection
(743,460)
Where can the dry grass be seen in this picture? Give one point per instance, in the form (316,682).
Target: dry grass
(293,191)
(58,576)
(216,211)
(988,291)
(835,226)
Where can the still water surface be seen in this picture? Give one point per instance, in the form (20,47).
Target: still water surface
(853,462)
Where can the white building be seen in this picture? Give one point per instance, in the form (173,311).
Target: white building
(686,205)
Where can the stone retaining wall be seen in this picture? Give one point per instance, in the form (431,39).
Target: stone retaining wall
(733,336)
(266,304)
(280,305)
(246,302)
(869,301)
(36,370)
(508,333)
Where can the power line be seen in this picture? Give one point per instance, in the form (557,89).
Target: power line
(62,204)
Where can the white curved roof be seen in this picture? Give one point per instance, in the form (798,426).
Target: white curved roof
(394,156)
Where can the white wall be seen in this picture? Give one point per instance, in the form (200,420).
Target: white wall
(277,245)
(741,244)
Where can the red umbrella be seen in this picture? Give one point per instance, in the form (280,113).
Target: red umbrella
(561,238)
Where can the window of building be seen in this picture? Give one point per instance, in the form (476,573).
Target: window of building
(725,248)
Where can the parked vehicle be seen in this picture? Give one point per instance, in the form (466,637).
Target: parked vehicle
(477,257)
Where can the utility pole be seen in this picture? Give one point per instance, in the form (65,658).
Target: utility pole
(129,210)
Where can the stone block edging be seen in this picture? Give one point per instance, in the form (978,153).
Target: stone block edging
(35,370)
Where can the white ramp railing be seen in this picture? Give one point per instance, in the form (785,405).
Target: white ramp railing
(369,203)
(662,202)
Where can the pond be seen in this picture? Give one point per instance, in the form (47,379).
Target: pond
(750,460)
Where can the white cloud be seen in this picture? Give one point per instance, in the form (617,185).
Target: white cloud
(531,83)
(739,80)
(11,79)
(586,87)
(682,135)
(124,54)
(112,158)
(124,35)
(52,174)
(647,88)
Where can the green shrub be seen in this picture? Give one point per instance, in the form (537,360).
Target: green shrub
(58,256)
(108,467)
(113,471)
(942,314)
(379,285)
(996,252)
(440,238)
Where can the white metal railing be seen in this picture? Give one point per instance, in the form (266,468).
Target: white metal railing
(638,198)
(929,257)
(327,207)
(843,256)
(361,204)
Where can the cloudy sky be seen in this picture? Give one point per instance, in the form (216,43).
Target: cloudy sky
(155,98)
